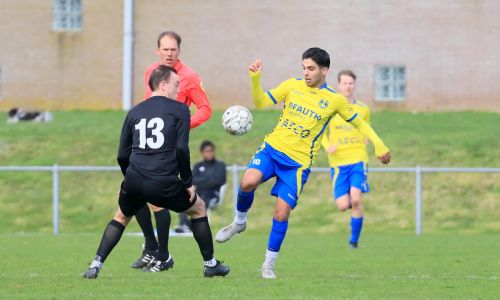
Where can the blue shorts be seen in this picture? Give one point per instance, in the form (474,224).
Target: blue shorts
(345,177)
(290,175)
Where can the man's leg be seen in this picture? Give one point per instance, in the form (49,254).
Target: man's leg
(110,238)
(356,216)
(150,251)
(203,236)
(251,180)
(162,260)
(143,217)
(259,170)
(163,219)
(277,235)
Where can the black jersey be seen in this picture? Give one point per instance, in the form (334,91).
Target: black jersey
(154,141)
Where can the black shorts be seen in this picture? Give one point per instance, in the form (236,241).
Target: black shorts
(136,191)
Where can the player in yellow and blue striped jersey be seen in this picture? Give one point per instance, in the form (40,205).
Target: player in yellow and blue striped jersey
(289,150)
(348,158)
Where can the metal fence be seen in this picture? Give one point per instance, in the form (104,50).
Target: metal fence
(235,169)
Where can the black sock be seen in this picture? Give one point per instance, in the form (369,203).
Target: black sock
(203,236)
(110,238)
(183,220)
(143,217)
(163,227)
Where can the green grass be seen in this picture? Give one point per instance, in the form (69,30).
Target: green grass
(459,203)
(456,258)
(314,266)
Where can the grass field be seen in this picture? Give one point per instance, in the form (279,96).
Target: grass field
(459,203)
(457,258)
(310,267)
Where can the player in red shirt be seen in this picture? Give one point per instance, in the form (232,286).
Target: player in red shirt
(190,91)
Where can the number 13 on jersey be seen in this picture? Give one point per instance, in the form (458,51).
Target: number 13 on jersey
(156,124)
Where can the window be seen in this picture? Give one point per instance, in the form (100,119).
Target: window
(67,15)
(390,83)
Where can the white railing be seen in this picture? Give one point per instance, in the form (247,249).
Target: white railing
(235,169)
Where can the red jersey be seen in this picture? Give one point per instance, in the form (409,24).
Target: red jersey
(190,91)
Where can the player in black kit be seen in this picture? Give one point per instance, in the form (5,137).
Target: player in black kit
(154,158)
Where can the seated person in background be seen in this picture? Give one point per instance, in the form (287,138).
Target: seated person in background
(16,114)
(209,175)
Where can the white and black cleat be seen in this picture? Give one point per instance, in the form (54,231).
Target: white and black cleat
(156,266)
(218,270)
(144,260)
(93,270)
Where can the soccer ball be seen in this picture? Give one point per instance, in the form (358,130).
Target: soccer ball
(237,120)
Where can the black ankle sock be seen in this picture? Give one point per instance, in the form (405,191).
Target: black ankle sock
(203,236)
(143,217)
(163,218)
(110,238)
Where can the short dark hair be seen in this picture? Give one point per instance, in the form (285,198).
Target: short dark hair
(206,144)
(319,56)
(162,73)
(171,34)
(346,73)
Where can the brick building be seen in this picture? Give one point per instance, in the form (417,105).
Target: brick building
(409,55)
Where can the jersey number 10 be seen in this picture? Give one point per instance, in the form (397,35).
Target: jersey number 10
(156,124)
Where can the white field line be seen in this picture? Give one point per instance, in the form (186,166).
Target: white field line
(131,234)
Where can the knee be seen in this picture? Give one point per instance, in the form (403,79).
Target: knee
(197,210)
(343,205)
(248,185)
(121,218)
(356,202)
(156,208)
(281,215)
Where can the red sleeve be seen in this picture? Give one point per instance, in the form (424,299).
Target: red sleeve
(147,74)
(199,98)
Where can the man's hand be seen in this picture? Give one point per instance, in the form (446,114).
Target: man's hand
(192,193)
(256,66)
(385,159)
(331,149)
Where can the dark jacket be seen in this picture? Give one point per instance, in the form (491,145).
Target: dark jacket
(209,175)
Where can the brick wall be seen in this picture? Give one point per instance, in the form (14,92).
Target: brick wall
(450,49)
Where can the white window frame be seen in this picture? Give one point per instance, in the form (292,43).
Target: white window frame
(396,79)
(67,15)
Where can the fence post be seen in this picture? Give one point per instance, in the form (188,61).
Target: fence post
(235,187)
(55,199)
(418,200)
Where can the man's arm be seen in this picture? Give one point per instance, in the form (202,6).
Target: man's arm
(262,99)
(345,110)
(326,143)
(380,148)
(223,173)
(200,100)
(182,146)
(125,147)
(220,174)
